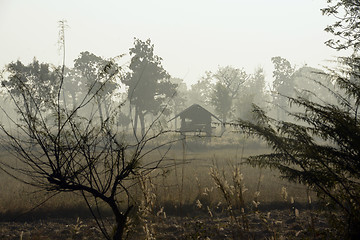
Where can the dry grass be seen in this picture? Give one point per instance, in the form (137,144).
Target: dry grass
(209,189)
(181,184)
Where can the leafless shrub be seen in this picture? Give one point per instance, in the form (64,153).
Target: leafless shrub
(59,149)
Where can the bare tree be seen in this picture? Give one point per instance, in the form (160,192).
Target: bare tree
(71,152)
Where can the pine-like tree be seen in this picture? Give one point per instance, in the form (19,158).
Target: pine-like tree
(321,146)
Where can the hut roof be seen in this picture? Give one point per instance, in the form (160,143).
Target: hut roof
(193,110)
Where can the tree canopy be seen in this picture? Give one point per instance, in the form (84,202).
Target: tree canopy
(100,79)
(148,82)
(39,79)
(221,99)
(346,28)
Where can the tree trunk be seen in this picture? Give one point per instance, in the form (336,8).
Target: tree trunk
(64,98)
(136,119)
(176,122)
(107,108)
(100,110)
(142,123)
(119,231)
(120,220)
(120,226)
(28,111)
(223,123)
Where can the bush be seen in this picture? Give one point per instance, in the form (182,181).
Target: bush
(321,147)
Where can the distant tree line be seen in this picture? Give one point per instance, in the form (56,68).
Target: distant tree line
(145,88)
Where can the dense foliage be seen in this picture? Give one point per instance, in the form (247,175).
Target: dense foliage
(346,28)
(320,147)
(148,82)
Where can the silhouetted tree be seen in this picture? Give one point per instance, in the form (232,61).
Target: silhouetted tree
(38,77)
(258,86)
(69,152)
(74,87)
(320,147)
(346,28)
(148,82)
(178,101)
(252,91)
(283,83)
(96,71)
(231,78)
(200,92)
(222,101)
(306,84)
(220,89)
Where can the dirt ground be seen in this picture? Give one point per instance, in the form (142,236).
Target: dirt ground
(275,224)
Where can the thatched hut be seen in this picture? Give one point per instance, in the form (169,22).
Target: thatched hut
(196,119)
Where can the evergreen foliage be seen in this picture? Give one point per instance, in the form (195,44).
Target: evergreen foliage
(321,146)
(346,28)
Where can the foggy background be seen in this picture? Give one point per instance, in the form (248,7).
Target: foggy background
(200,110)
(191,36)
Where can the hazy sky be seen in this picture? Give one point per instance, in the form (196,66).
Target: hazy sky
(192,36)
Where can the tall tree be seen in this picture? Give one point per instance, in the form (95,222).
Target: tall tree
(41,81)
(228,84)
(74,87)
(148,82)
(231,78)
(251,92)
(200,92)
(178,101)
(306,83)
(283,83)
(222,101)
(68,152)
(320,147)
(258,86)
(97,72)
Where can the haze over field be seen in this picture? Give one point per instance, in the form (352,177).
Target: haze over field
(191,36)
(180,119)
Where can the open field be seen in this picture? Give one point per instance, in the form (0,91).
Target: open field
(186,202)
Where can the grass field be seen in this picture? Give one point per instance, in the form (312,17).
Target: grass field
(186,190)
(183,183)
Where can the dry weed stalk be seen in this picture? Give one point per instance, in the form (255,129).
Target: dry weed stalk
(76,228)
(312,217)
(256,201)
(293,210)
(146,206)
(233,195)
